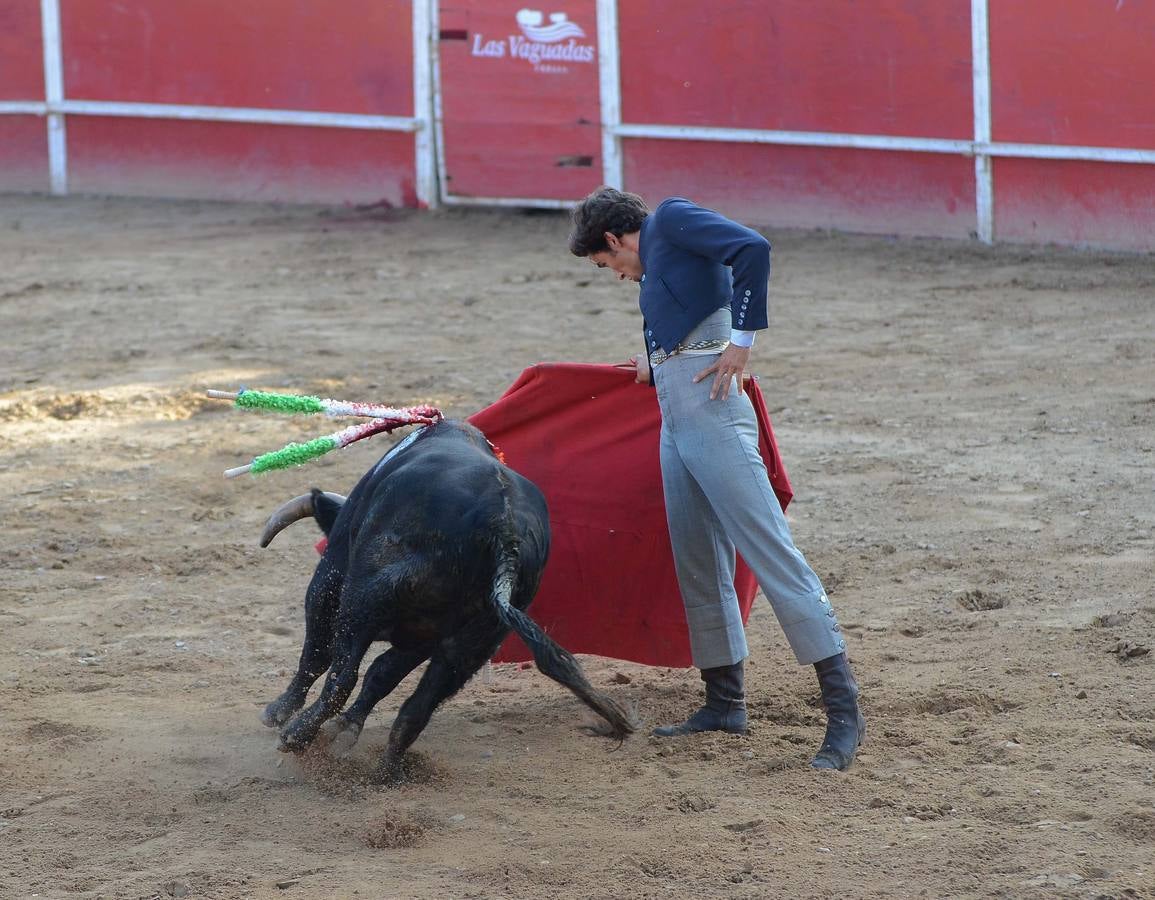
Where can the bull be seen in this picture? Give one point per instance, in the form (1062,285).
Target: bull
(439,551)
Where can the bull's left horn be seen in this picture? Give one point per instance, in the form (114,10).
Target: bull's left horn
(290,512)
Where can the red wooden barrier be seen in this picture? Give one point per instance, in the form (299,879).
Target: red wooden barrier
(521,102)
(1074,72)
(162,158)
(884,67)
(23,142)
(354,57)
(889,68)
(21,56)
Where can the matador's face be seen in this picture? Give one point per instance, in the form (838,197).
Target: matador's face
(621,256)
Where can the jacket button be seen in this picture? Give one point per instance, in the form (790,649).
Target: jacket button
(747,293)
(649,334)
(653,344)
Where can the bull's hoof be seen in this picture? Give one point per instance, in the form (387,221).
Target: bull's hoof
(277,713)
(342,735)
(295,738)
(389,776)
(393,770)
(412,767)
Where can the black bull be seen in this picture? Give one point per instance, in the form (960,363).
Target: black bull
(438,550)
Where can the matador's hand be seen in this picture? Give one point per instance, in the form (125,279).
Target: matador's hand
(641,369)
(730,365)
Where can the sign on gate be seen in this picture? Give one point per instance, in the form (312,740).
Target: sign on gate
(519,99)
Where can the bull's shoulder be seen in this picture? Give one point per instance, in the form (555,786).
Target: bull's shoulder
(454,437)
(449,467)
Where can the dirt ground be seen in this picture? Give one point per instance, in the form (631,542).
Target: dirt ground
(971,437)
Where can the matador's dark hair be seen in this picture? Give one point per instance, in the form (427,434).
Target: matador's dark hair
(606,209)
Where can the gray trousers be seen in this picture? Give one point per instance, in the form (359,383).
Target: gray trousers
(718,500)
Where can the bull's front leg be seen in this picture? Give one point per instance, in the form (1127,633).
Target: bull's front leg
(321,602)
(347,654)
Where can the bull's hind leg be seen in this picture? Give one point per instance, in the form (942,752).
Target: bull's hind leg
(388,670)
(456,659)
(320,608)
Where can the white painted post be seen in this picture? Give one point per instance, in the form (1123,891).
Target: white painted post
(438,128)
(981,69)
(609,77)
(424,148)
(54,95)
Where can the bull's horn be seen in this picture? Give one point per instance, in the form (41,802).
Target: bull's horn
(290,512)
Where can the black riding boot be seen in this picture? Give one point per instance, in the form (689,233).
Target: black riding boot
(725,708)
(845,726)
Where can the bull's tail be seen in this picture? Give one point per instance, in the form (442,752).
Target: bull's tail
(554,660)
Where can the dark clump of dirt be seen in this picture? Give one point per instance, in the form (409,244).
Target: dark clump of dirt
(977,601)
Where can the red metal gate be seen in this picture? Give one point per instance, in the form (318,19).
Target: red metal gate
(520,110)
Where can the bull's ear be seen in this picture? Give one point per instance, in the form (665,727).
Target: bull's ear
(326,506)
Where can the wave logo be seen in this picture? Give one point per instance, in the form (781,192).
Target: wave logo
(530,21)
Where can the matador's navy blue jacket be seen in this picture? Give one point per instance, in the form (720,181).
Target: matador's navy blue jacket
(697,261)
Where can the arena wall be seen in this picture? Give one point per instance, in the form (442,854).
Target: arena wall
(1027,121)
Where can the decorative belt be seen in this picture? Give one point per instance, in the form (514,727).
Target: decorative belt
(696,348)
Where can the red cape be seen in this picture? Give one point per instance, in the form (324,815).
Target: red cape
(588,437)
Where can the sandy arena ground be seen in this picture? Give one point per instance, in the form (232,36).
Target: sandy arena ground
(970,433)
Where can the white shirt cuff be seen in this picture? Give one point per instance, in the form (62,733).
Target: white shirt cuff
(741,338)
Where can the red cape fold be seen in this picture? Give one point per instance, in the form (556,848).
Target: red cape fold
(587,435)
